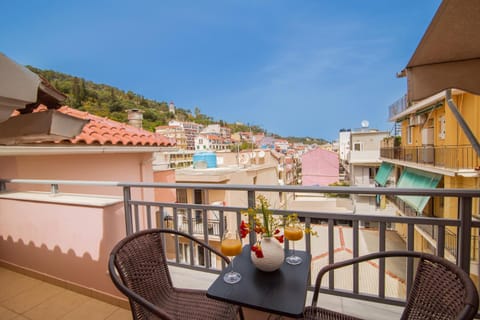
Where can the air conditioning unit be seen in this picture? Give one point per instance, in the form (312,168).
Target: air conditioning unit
(411,121)
(418,119)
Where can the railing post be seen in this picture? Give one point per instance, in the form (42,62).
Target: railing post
(127,196)
(251,204)
(465,232)
(54,188)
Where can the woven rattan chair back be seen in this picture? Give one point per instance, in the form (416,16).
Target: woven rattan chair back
(440,290)
(138,268)
(142,266)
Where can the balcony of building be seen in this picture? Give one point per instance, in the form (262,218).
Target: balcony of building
(462,159)
(62,241)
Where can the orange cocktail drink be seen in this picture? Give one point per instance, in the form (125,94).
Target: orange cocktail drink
(293,233)
(231,247)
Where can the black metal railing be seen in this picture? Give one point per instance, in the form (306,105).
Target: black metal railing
(438,227)
(449,157)
(197,219)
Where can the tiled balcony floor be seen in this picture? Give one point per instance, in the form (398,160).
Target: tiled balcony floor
(22,297)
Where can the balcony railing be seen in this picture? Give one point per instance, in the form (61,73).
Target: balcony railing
(197,219)
(448,157)
(398,106)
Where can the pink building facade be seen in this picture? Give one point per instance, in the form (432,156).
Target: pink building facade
(320,167)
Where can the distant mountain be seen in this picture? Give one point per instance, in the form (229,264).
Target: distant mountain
(107,101)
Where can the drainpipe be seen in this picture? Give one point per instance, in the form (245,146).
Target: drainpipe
(466,129)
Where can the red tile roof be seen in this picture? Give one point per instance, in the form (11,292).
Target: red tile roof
(105,131)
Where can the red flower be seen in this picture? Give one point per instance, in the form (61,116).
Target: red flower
(278,236)
(244,229)
(258,250)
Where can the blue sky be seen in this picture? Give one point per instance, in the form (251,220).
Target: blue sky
(293,67)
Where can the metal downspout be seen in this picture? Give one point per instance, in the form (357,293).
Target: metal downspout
(462,123)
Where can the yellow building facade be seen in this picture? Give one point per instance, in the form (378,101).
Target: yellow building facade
(435,147)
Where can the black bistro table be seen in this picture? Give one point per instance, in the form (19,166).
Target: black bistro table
(282,292)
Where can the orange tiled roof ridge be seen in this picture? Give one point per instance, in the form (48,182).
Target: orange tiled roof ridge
(104,131)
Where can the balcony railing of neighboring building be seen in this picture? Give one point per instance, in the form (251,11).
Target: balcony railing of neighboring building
(198,227)
(398,106)
(433,232)
(140,214)
(448,157)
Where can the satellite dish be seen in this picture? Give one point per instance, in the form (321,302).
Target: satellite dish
(365,124)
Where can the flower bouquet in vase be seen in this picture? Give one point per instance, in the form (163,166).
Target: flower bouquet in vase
(267,252)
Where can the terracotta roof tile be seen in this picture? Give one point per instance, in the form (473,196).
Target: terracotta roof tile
(104,131)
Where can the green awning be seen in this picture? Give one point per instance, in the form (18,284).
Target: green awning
(383,173)
(412,178)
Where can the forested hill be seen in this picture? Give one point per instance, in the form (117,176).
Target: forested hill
(107,101)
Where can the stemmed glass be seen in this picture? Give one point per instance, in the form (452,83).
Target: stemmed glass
(293,232)
(231,247)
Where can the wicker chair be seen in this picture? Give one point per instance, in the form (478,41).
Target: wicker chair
(441,290)
(138,268)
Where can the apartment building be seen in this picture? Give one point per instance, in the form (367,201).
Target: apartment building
(364,155)
(211,142)
(319,167)
(190,131)
(434,152)
(218,130)
(174,132)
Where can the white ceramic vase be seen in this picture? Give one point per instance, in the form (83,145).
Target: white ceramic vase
(273,255)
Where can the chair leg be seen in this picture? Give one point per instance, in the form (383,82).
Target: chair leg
(240,312)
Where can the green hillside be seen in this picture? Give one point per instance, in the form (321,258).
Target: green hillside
(107,101)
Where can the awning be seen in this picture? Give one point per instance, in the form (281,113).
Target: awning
(383,173)
(50,125)
(412,178)
(21,88)
(448,56)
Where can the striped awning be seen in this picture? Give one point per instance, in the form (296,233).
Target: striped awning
(383,173)
(412,178)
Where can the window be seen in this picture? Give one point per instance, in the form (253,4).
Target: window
(182,195)
(183,252)
(409,134)
(357,146)
(442,126)
(201,255)
(198,199)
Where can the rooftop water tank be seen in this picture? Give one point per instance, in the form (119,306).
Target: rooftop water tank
(204,160)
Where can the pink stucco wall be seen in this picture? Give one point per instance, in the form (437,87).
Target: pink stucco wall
(132,167)
(320,167)
(165,195)
(67,241)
